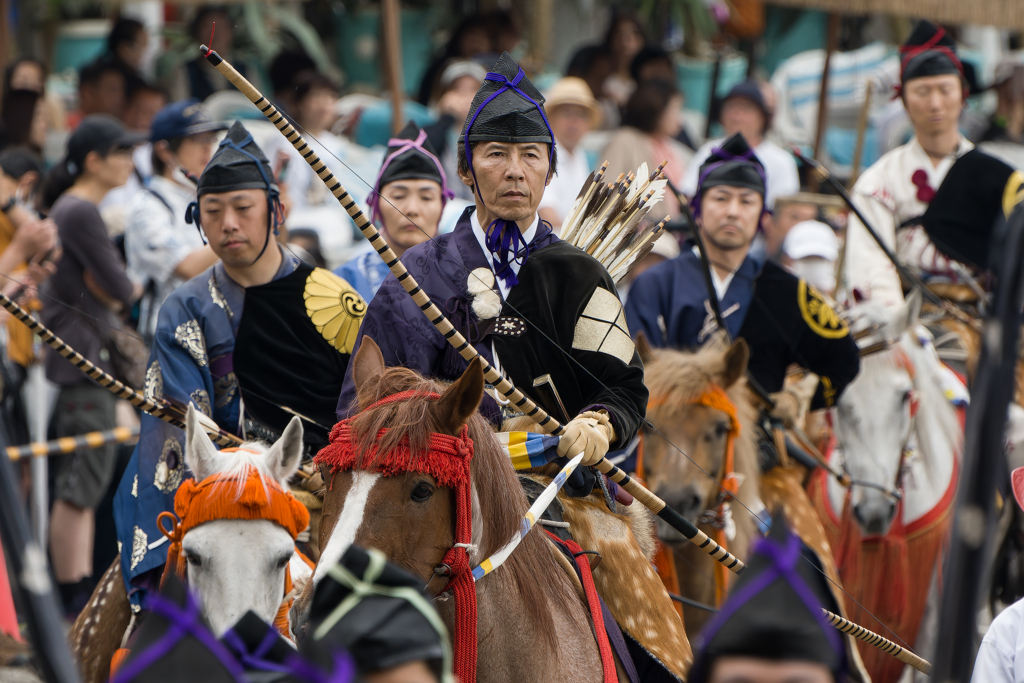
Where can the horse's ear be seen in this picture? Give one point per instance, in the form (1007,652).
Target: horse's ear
(367,362)
(461,399)
(643,347)
(736,359)
(201,456)
(286,453)
(907,317)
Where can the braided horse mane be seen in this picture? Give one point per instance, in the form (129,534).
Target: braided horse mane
(498,496)
(676,378)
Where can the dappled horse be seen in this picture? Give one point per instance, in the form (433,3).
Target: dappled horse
(898,435)
(700,408)
(235,543)
(395,490)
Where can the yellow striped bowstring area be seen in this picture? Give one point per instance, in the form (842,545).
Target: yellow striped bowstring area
(529,520)
(162,409)
(67,444)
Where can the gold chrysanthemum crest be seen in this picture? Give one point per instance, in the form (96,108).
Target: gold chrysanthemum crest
(335,308)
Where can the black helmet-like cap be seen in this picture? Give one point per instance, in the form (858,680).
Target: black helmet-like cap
(409,156)
(929,51)
(774,611)
(392,625)
(732,163)
(238,164)
(507,108)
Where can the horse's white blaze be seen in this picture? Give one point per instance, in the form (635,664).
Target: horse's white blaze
(351,519)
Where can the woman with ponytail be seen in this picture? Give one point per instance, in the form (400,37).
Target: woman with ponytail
(92,284)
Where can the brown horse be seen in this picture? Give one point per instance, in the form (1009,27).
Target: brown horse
(532,620)
(676,381)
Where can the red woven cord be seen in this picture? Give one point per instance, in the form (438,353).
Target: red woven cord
(464,587)
(447,459)
(594,602)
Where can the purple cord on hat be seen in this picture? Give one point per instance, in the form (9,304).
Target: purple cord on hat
(747,156)
(783,559)
(504,237)
(404,146)
(182,622)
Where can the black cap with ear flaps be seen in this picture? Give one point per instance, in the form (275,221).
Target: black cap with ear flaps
(238,164)
(509,116)
(774,611)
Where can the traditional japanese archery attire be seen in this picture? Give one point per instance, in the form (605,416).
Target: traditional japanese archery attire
(774,612)
(410,156)
(238,354)
(782,318)
(901,185)
(532,305)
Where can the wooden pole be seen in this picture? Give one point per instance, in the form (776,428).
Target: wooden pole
(5,37)
(391,15)
(830,47)
(862,126)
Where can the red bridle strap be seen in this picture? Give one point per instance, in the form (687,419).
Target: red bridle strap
(447,459)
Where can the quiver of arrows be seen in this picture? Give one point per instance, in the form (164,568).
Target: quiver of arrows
(606,220)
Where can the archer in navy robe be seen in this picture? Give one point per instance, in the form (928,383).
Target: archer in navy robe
(782,318)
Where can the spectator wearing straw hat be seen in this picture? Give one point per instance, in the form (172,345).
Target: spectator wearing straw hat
(573,112)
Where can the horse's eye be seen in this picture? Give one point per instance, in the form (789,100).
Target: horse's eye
(422,492)
(721,430)
(193,559)
(283,561)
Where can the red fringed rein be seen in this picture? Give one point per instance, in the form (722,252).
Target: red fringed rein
(447,459)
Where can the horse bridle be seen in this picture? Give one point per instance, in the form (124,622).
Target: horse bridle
(883,344)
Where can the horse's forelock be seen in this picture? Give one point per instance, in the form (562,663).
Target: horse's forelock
(250,456)
(502,501)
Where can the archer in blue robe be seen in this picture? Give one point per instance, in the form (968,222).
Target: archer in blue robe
(208,353)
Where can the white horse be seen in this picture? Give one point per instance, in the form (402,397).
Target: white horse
(239,565)
(894,423)
(899,438)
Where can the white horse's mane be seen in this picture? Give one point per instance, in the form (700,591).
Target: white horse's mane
(915,342)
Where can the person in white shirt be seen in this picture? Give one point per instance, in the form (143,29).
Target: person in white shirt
(572,112)
(1001,655)
(900,185)
(745,111)
(162,249)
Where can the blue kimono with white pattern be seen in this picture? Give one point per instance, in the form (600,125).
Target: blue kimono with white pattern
(191,361)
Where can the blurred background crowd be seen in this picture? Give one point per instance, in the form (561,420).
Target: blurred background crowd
(108,112)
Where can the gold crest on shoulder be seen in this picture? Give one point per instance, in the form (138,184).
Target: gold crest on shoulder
(335,308)
(819,313)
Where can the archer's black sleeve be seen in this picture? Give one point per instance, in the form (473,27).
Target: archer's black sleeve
(608,380)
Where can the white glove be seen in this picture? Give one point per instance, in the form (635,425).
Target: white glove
(588,433)
(792,403)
